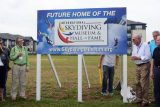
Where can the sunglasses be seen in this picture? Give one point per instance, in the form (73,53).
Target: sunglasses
(133,39)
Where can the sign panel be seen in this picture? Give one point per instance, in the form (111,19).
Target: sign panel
(82,31)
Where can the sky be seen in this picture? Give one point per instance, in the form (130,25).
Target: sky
(20,16)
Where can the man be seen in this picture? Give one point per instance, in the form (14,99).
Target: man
(108,62)
(141,57)
(4,67)
(155,72)
(152,43)
(19,56)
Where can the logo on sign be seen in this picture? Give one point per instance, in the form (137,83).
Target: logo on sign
(81,32)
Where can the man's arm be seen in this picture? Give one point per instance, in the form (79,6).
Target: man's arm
(13,55)
(27,61)
(133,55)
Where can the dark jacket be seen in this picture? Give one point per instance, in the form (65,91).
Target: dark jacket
(4,55)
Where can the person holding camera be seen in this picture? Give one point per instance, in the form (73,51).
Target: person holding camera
(4,67)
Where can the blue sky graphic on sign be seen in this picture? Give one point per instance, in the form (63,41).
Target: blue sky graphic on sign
(82,31)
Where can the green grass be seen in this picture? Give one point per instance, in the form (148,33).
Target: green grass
(66,96)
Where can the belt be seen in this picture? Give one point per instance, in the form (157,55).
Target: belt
(19,64)
(142,64)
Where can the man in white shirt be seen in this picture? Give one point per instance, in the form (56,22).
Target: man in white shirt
(141,56)
(108,62)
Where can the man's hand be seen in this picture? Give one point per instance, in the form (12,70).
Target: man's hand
(20,54)
(99,66)
(135,58)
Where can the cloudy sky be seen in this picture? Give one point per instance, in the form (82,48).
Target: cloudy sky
(20,16)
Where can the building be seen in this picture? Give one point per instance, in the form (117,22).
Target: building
(10,41)
(135,28)
(31,44)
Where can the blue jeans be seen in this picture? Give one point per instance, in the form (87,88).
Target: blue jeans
(108,75)
(157,86)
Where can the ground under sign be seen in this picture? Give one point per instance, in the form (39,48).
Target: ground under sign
(82,31)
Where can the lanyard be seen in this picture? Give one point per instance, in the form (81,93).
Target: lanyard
(138,48)
(20,49)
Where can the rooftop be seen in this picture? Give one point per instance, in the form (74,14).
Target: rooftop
(130,22)
(13,37)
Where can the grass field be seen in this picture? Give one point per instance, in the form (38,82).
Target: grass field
(66,66)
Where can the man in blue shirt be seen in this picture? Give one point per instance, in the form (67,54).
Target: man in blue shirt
(153,44)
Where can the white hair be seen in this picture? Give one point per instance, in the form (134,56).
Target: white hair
(137,36)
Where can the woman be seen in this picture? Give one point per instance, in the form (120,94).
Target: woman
(4,65)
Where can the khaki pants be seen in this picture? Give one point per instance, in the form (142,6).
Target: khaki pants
(18,78)
(142,82)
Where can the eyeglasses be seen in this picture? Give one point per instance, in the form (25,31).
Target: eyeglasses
(133,39)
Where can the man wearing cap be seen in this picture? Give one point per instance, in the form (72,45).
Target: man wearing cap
(19,56)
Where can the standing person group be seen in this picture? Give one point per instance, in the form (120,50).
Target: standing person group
(19,56)
(142,53)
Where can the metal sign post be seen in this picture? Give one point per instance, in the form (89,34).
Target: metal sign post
(80,78)
(124,78)
(38,81)
(86,72)
(54,70)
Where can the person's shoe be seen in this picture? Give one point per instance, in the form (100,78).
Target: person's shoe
(103,94)
(13,98)
(111,94)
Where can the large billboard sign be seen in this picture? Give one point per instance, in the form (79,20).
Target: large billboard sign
(82,31)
